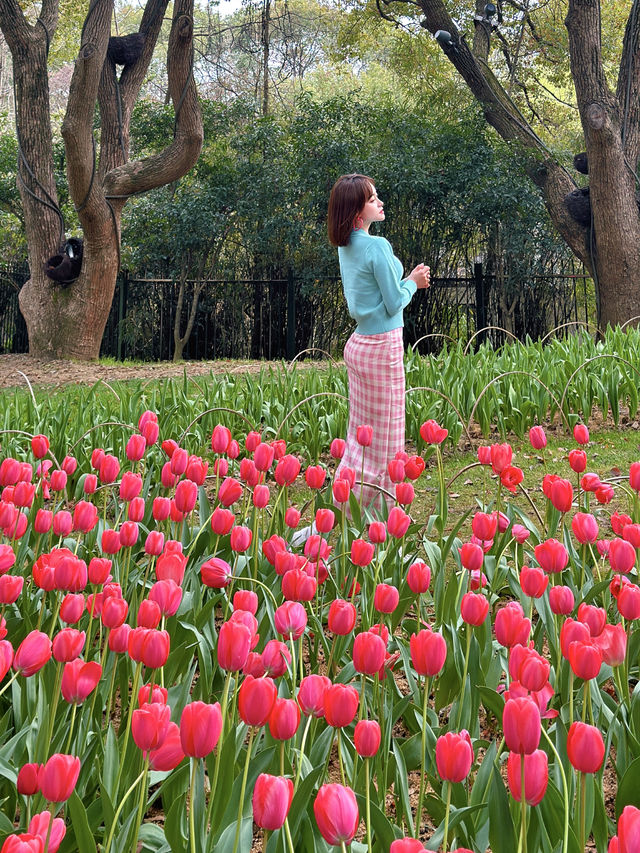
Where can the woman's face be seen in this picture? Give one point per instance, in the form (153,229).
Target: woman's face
(373,208)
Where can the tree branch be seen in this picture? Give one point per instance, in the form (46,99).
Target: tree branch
(78,121)
(176,160)
(628,91)
(14,25)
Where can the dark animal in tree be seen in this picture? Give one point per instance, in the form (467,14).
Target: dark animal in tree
(578,203)
(65,267)
(125,50)
(581,164)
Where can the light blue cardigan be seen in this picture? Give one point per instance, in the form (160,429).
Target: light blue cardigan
(373,285)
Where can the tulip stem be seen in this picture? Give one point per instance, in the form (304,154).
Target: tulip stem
(423,755)
(132,702)
(368,797)
(49,830)
(523,808)
(73,719)
(53,707)
(301,755)
(192,787)
(565,791)
(446,819)
(342,776)
(287,832)
(11,680)
(294,667)
(223,713)
(118,810)
(142,801)
(583,809)
(464,677)
(242,789)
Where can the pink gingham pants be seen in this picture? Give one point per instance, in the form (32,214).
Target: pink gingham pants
(375,368)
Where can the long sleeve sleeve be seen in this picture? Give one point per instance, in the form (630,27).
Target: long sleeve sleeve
(387,270)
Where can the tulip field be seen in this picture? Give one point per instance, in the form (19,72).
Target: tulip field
(186,666)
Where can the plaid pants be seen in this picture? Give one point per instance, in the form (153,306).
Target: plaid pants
(375,368)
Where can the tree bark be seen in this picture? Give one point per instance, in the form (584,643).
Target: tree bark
(69,322)
(611,248)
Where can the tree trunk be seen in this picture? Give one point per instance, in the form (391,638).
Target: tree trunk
(611,248)
(69,321)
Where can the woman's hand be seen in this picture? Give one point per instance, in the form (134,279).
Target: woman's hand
(421,275)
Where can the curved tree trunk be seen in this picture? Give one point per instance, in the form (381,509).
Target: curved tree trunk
(69,321)
(611,248)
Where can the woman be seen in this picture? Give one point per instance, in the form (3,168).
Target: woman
(376,295)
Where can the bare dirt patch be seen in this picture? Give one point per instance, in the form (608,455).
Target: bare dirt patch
(15,370)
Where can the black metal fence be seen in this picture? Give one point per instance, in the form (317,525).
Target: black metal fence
(278,318)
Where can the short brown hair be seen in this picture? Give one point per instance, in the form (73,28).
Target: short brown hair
(348,196)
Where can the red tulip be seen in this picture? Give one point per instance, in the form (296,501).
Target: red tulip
(297,585)
(216,573)
(256,699)
(471,556)
(196,470)
(114,612)
(341,491)
(612,643)
(40,446)
(149,725)
(520,533)
(604,493)
(361,552)
(27,783)
(414,466)
(340,705)
(572,631)
(42,524)
(578,461)
(169,754)
(336,812)
(186,496)
(593,617)
(311,694)
(149,647)
(271,801)
(510,625)
(585,747)
(521,725)
(474,608)
(581,434)
(428,652)
(58,777)
(287,470)
(229,492)
(432,433)
(622,556)
(240,539)
(292,517)
(585,527)
(628,601)
(284,719)
(629,829)
(72,608)
(368,653)
(275,658)
(245,599)
(32,653)
(484,525)
(500,456)
(200,727)
(537,437)
(619,521)
(386,598)
(161,508)
(407,845)
(149,614)
(397,522)
(561,600)
(342,617)
(167,595)
(536,776)
(25,842)
(220,438)
(149,693)
(454,756)
(552,555)
(68,644)
(533,581)
(366,738)
(119,639)
(364,435)
(79,678)
(10,588)
(290,619)
(234,644)
(418,577)
(337,448)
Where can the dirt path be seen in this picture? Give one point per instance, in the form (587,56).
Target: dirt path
(15,370)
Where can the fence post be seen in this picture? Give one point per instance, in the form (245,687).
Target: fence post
(291,316)
(122,307)
(481,307)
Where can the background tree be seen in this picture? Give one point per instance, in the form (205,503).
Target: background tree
(609,245)
(70,321)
